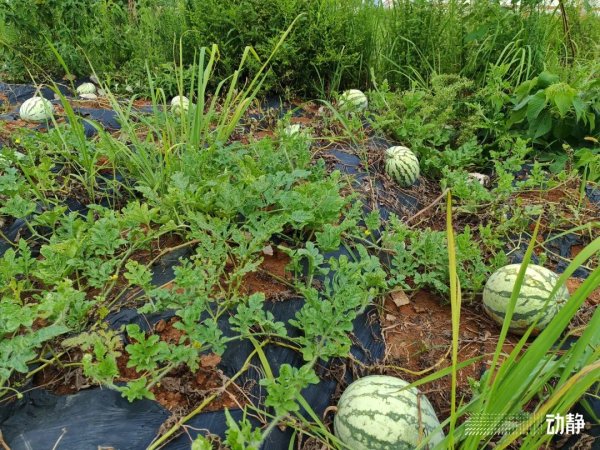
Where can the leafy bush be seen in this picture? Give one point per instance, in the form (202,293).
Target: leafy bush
(554,110)
(421,260)
(333,48)
(333,36)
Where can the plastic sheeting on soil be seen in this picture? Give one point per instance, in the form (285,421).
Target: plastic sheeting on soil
(17,94)
(561,247)
(111,421)
(101,417)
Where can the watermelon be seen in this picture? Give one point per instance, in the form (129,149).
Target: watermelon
(86,88)
(179,102)
(353,100)
(294,131)
(537,286)
(402,165)
(16,154)
(291,130)
(36,110)
(373,414)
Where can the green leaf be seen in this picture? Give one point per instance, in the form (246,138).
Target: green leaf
(523,102)
(18,207)
(373,220)
(330,239)
(45,334)
(136,390)
(579,107)
(541,126)
(546,79)
(147,353)
(243,438)
(591,117)
(564,101)
(302,217)
(252,314)
(13,316)
(282,391)
(15,354)
(562,128)
(477,34)
(525,88)
(536,105)
(516,117)
(201,443)
(106,236)
(50,218)
(138,274)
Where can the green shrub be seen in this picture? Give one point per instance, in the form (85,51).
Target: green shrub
(334,47)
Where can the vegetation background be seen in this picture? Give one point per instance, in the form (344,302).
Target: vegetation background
(336,44)
(469,86)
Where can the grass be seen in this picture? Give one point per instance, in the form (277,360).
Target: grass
(335,48)
(529,368)
(189,180)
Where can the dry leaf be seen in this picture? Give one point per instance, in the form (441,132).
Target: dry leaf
(69,77)
(268,250)
(89,96)
(400,298)
(160,326)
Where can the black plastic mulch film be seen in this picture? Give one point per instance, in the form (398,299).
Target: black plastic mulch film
(101,418)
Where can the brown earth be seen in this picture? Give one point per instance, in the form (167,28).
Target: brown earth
(418,338)
(418,335)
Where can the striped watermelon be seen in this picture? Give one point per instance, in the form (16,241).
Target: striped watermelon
(353,100)
(373,414)
(36,110)
(402,165)
(296,132)
(537,286)
(179,102)
(292,130)
(86,88)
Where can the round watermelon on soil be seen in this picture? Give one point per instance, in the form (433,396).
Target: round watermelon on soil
(353,100)
(374,414)
(537,287)
(86,88)
(402,165)
(36,110)
(179,103)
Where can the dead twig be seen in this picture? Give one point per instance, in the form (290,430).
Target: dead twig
(431,205)
(566,29)
(4,446)
(64,431)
